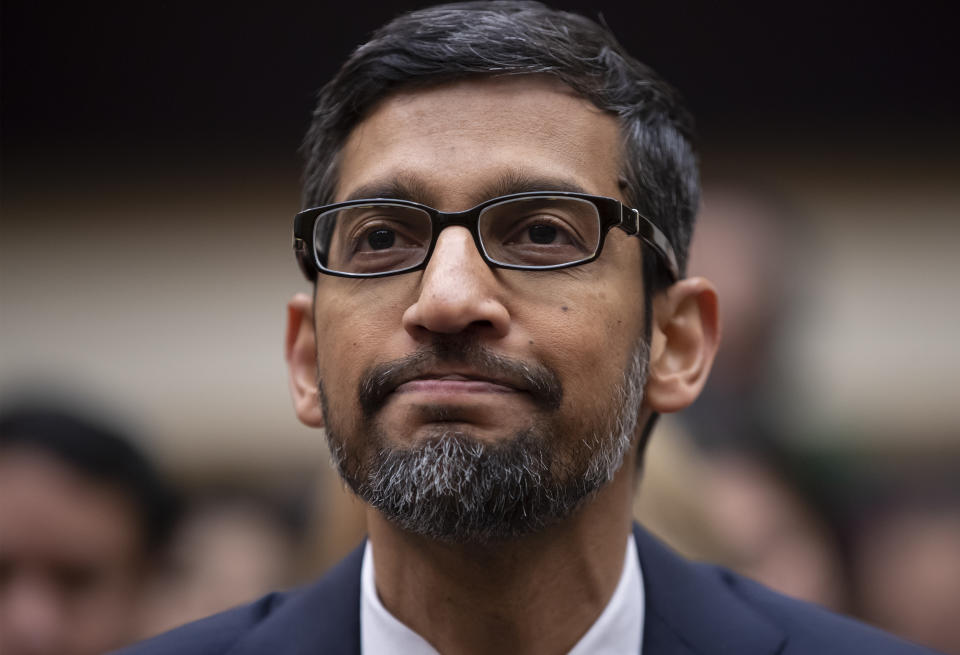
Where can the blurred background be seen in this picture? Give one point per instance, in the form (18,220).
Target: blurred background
(149,178)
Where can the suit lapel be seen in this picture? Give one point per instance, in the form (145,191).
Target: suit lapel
(691,610)
(323,619)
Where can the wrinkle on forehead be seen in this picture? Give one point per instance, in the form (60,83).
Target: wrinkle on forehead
(467,134)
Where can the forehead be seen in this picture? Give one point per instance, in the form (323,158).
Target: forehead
(47,510)
(459,143)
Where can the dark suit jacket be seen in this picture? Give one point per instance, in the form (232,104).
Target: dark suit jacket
(691,609)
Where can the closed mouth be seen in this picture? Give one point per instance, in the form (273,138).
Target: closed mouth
(456,382)
(465,369)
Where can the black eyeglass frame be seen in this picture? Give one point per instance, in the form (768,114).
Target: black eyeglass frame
(611,211)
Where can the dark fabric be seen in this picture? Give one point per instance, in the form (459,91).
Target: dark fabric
(320,619)
(707,610)
(691,609)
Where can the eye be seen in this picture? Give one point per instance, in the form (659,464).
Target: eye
(539,230)
(373,238)
(77,578)
(380,235)
(381,239)
(542,233)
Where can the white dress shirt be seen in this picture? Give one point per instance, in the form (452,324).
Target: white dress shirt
(617,631)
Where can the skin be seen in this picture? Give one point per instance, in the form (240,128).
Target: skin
(458,144)
(71,560)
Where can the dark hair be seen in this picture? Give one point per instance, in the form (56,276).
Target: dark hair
(100,454)
(508,37)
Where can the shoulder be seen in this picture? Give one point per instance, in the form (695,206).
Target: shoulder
(325,613)
(700,608)
(210,636)
(810,628)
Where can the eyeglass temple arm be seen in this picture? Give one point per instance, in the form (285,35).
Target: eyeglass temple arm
(301,248)
(633,222)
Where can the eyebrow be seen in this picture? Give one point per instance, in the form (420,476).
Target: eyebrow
(402,187)
(521,182)
(406,187)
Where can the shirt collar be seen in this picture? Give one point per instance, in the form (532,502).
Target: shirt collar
(618,629)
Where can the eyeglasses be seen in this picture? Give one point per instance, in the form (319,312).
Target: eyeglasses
(541,230)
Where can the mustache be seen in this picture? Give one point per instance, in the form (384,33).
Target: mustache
(379,381)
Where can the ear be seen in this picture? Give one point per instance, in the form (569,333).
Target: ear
(300,349)
(686,333)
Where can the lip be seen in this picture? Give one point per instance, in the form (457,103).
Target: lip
(458,372)
(455,383)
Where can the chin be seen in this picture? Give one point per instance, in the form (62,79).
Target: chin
(453,486)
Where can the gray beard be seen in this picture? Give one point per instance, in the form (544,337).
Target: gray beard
(453,487)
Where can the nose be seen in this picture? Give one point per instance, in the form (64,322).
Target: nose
(458,292)
(35,620)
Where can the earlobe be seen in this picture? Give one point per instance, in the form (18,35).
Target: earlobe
(686,328)
(300,351)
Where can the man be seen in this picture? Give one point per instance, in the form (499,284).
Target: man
(499,204)
(82,517)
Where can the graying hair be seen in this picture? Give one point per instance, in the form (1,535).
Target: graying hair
(456,488)
(512,37)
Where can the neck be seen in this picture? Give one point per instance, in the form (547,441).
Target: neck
(531,595)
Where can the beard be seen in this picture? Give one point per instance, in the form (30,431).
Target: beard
(455,487)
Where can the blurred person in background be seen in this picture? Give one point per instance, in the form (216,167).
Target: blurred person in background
(755,246)
(858,531)
(742,508)
(232,545)
(83,519)
(905,553)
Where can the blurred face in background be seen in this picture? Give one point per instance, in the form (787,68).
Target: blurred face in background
(71,559)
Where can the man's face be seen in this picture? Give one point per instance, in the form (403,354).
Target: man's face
(499,357)
(70,562)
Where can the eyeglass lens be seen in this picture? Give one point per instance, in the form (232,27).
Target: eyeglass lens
(537,232)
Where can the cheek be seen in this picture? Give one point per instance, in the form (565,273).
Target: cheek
(106,619)
(355,327)
(586,335)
